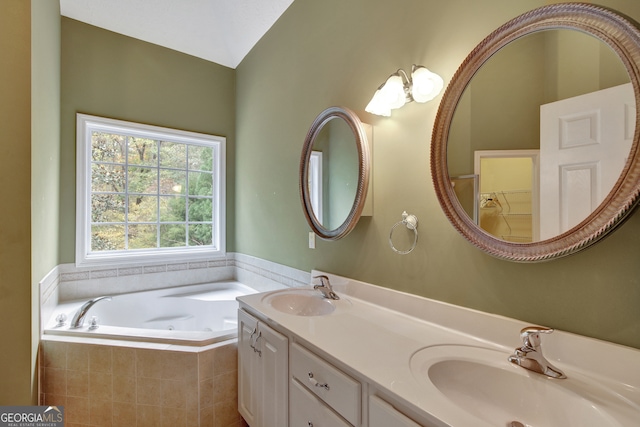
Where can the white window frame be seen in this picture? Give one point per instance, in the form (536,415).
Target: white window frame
(85,125)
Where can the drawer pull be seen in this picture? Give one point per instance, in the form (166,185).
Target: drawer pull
(316,383)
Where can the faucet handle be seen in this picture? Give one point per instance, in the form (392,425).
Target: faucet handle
(531,335)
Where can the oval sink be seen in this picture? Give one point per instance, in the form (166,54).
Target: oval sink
(301,302)
(482,383)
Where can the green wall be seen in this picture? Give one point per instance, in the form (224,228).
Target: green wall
(45,153)
(337,53)
(111,75)
(15,236)
(29,129)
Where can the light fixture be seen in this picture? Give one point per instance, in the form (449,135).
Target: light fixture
(398,89)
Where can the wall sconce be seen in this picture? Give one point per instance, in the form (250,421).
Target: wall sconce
(399,89)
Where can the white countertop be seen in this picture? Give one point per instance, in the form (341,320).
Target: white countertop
(375,331)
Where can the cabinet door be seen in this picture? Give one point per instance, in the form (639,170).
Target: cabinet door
(263,364)
(249,380)
(274,364)
(382,414)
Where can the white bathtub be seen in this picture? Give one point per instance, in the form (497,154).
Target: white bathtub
(195,315)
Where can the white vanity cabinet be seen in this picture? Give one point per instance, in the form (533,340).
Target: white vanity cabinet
(263,363)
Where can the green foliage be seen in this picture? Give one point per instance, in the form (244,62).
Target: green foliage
(156,181)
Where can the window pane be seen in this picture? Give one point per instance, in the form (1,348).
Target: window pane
(200,158)
(107,237)
(200,183)
(107,208)
(173,209)
(143,236)
(172,181)
(173,235)
(173,155)
(200,234)
(200,210)
(107,178)
(143,151)
(142,180)
(107,147)
(143,208)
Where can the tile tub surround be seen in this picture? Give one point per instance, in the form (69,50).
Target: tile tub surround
(112,385)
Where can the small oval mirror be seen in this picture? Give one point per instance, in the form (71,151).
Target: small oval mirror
(334,172)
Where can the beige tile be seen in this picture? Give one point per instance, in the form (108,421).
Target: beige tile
(173,417)
(100,412)
(174,394)
(54,354)
(124,389)
(225,386)
(78,357)
(193,418)
(124,361)
(100,359)
(207,417)
(226,414)
(192,397)
(101,385)
(148,363)
(55,381)
(205,364)
(225,359)
(77,383)
(77,410)
(149,391)
(54,400)
(148,416)
(124,414)
(206,393)
(176,364)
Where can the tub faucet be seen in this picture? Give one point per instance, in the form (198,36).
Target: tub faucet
(78,318)
(325,288)
(530,357)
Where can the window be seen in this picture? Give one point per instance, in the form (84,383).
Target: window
(146,193)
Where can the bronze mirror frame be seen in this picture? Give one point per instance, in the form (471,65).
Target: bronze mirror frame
(362,146)
(623,36)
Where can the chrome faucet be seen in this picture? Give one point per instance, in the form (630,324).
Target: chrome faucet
(325,288)
(78,318)
(530,357)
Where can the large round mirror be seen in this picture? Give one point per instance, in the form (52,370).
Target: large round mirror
(334,172)
(535,147)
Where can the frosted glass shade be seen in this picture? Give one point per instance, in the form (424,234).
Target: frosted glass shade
(426,84)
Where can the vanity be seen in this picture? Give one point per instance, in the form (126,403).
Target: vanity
(379,358)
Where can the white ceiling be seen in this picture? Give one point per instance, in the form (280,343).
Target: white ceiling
(221,31)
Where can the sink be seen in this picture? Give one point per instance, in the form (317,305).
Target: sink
(302,302)
(483,385)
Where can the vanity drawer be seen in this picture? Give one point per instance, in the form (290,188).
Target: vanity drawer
(337,389)
(307,410)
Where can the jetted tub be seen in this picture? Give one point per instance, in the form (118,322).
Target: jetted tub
(196,315)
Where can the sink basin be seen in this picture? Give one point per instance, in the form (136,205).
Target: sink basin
(302,302)
(482,384)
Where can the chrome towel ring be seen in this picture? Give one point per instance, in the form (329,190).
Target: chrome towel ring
(411,222)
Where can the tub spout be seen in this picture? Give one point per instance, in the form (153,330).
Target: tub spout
(78,318)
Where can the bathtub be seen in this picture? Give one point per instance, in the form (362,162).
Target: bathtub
(196,315)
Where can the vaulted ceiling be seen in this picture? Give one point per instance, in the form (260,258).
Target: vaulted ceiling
(221,31)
